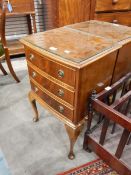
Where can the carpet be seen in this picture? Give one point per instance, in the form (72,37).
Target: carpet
(4,170)
(96,167)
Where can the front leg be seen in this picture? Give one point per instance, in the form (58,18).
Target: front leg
(33,103)
(73,135)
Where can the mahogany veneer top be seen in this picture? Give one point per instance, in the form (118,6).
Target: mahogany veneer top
(114,32)
(72,45)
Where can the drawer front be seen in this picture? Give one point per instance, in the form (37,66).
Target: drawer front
(60,108)
(21,7)
(58,71)
(54,88)
(123,18)
(111,5)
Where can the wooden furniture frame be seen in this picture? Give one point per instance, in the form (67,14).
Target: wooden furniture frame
(106,105)
(58,81)
(14,47)
(6,56)
(62,72)
(59,13)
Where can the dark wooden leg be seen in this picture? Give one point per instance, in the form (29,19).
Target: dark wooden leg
(29,23)
(34,23)
(127,107)
(104,130)
(90,111)
(2,69)
(122,143)
(7,58)
(129,140)
(89,120)
(33,103)
(85,143)
(73,135)
(113,128)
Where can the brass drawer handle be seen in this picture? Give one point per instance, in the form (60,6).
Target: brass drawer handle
(61,92)
(33,74)
(35,89)
(61,109)
(61,73)
(114,2)
(31,57)
(115,21)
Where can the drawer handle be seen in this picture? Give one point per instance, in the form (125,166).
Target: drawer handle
(35,89)
(115,21)
(61,109)
(32,57)
(61,92)
(33,74)
(61,73)
(114,2)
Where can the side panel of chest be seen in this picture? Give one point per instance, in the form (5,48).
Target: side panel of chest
(123,64)
(95,76)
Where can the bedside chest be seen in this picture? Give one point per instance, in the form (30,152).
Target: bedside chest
(65,65)
(114,11)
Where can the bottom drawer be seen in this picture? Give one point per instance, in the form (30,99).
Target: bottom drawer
(123,18)
(62,109)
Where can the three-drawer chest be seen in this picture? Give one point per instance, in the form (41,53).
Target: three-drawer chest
(114,11)
(66,64)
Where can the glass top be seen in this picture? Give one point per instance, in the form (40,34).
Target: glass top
(115,32)
(73,45)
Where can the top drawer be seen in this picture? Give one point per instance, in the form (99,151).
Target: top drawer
(111,5)
(56,70)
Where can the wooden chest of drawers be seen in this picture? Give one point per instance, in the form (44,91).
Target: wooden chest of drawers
(65,65)
(115,11)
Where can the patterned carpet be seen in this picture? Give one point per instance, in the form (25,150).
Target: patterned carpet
(97,167)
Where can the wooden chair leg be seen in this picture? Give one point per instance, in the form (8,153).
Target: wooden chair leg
(7,58)
(122,143)
(2,69)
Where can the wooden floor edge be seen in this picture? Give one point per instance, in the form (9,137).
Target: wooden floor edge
(111,160)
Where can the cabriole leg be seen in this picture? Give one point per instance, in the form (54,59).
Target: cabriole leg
(33,103)
(73,135)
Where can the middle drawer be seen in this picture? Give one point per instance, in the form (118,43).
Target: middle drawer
(52,87)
